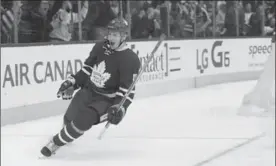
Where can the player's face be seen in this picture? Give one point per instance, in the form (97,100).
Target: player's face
(114,38)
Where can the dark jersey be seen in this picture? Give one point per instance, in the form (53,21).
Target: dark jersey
(109,72)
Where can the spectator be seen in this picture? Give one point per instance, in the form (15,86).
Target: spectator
(88,22)
(248,13)
(34,24)
(188,19)
(202,21)
(185,18)
(219,3)
(25,24)
(145,23)
(7,19)
(220,19)
(153,23)
(270,20)
(105,11)
(256,21)
(270,28)
(39,22)
(10,15)
(177,21)
(135,6)
(64,18)
(139,25)
(235,19)
(195,19)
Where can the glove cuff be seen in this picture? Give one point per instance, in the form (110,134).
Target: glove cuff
(122,108)
(72,79)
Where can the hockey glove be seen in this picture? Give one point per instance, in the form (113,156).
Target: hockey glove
(115,115)
(67,89)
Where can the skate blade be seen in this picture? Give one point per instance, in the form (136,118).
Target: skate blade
(42,157)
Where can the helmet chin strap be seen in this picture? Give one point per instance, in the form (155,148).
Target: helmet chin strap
(120,44)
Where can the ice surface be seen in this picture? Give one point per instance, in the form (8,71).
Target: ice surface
(189,128)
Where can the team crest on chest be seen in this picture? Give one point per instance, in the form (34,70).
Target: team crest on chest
(99,76)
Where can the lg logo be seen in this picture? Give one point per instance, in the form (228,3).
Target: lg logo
(219,59)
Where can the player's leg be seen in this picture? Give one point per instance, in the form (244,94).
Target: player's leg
(101,106)
(77,106)
(73,130)
(89,112)
(72,109)
(76,128)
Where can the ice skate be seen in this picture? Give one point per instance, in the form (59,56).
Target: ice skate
(49,149)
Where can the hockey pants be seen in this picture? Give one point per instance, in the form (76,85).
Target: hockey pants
(87,108)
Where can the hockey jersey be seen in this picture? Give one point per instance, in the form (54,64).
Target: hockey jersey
(110,73)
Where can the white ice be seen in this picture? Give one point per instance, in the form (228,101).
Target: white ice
(190,128)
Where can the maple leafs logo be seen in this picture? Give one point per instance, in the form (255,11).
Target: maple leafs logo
(99,76)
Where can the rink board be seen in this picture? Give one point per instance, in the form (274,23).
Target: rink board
(52,108)
(28,85)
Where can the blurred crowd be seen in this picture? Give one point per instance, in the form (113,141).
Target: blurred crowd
(57,21)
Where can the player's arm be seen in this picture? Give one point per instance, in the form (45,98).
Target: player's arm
(78,80)
(82,75)
(128,71)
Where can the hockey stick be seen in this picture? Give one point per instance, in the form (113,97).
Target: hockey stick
(162,37)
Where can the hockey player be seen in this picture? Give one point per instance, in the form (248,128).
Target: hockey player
(105,77)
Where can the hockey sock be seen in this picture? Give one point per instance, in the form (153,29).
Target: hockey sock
(68,134)
(66,121)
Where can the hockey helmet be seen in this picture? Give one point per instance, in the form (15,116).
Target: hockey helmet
(118,24)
